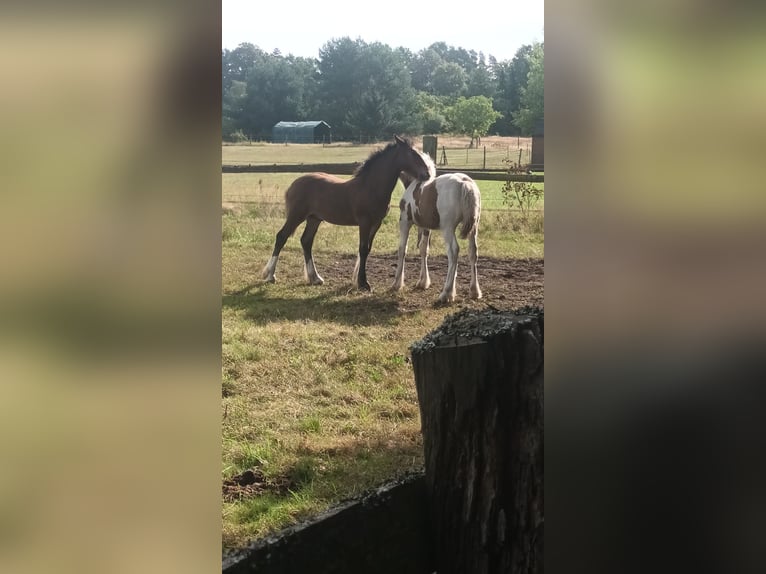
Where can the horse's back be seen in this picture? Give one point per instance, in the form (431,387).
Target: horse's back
(311,182)
(457,180)
(321,195)
(462,201)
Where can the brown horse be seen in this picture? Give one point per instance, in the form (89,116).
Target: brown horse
(361,201)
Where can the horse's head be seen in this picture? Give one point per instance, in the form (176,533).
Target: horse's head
(406,178)
(418,165)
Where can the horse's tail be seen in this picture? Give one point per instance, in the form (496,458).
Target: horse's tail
(471,205)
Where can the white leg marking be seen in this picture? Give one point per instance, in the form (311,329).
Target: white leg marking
(473,256)
(404,237)
(424,282)
(311,274)
(355,274)
(268,271)
(453,249)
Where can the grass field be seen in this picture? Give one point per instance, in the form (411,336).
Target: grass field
(271,187)
(318,397)
(457,151)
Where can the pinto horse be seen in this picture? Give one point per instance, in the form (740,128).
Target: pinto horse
(361,201)
(440,203)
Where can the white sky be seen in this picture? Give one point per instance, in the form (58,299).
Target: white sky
(302,27)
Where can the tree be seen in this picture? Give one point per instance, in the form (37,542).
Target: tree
(237,67)
(448,79)
(472,116)
(365,88)
(278,88)
(359,87)
(422,67)
(532,101)
(371,115)
(510,78)
(233,100)
(238,63)
(480,81)
(338,61)
(431,114)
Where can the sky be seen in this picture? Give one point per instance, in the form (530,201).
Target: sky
(302,27)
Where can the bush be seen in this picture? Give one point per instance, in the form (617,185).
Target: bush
(521,195)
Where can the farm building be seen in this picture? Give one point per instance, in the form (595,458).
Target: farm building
(302,132)
(538,146)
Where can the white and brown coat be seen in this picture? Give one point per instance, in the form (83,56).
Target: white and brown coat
(441,203)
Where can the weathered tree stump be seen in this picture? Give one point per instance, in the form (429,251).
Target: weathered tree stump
(479,379)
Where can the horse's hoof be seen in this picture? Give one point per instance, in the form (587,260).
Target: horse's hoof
(271,279)
(445,299)
(317,281)
(365,286)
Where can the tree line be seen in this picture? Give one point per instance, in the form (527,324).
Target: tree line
(374,90)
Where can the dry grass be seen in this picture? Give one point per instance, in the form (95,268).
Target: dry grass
(317,389)
(458,153)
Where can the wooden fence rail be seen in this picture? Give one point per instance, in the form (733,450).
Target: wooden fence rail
(348,169)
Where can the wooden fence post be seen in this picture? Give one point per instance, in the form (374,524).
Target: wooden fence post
(430,145)
(479,380)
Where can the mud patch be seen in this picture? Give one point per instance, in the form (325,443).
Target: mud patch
(506,283)
(252,483)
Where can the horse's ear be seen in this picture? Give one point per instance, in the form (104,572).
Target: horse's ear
(398,140)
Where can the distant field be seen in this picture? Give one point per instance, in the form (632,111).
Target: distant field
(457,152)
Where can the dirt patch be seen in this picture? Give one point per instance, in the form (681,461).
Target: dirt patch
(506,283)
(252,483)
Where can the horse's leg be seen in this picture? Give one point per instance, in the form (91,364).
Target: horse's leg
(404,237)
(453,249)
(366,235)
(355,273)
(282,236)
(424,282)
(360,270)
(473,256)
(307,241)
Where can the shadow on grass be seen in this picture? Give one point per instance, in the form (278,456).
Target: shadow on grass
(322,479)
(338,473)
(341,305)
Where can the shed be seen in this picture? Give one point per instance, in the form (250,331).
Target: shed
(301,132)
(538,146)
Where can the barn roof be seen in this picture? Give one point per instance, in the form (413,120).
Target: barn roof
(300,124)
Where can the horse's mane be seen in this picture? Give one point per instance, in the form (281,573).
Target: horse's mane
(429,163)
(407,179)
(376,155)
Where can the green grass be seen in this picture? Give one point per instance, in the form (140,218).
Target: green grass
(501,234)
(332,408)
(269,188)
